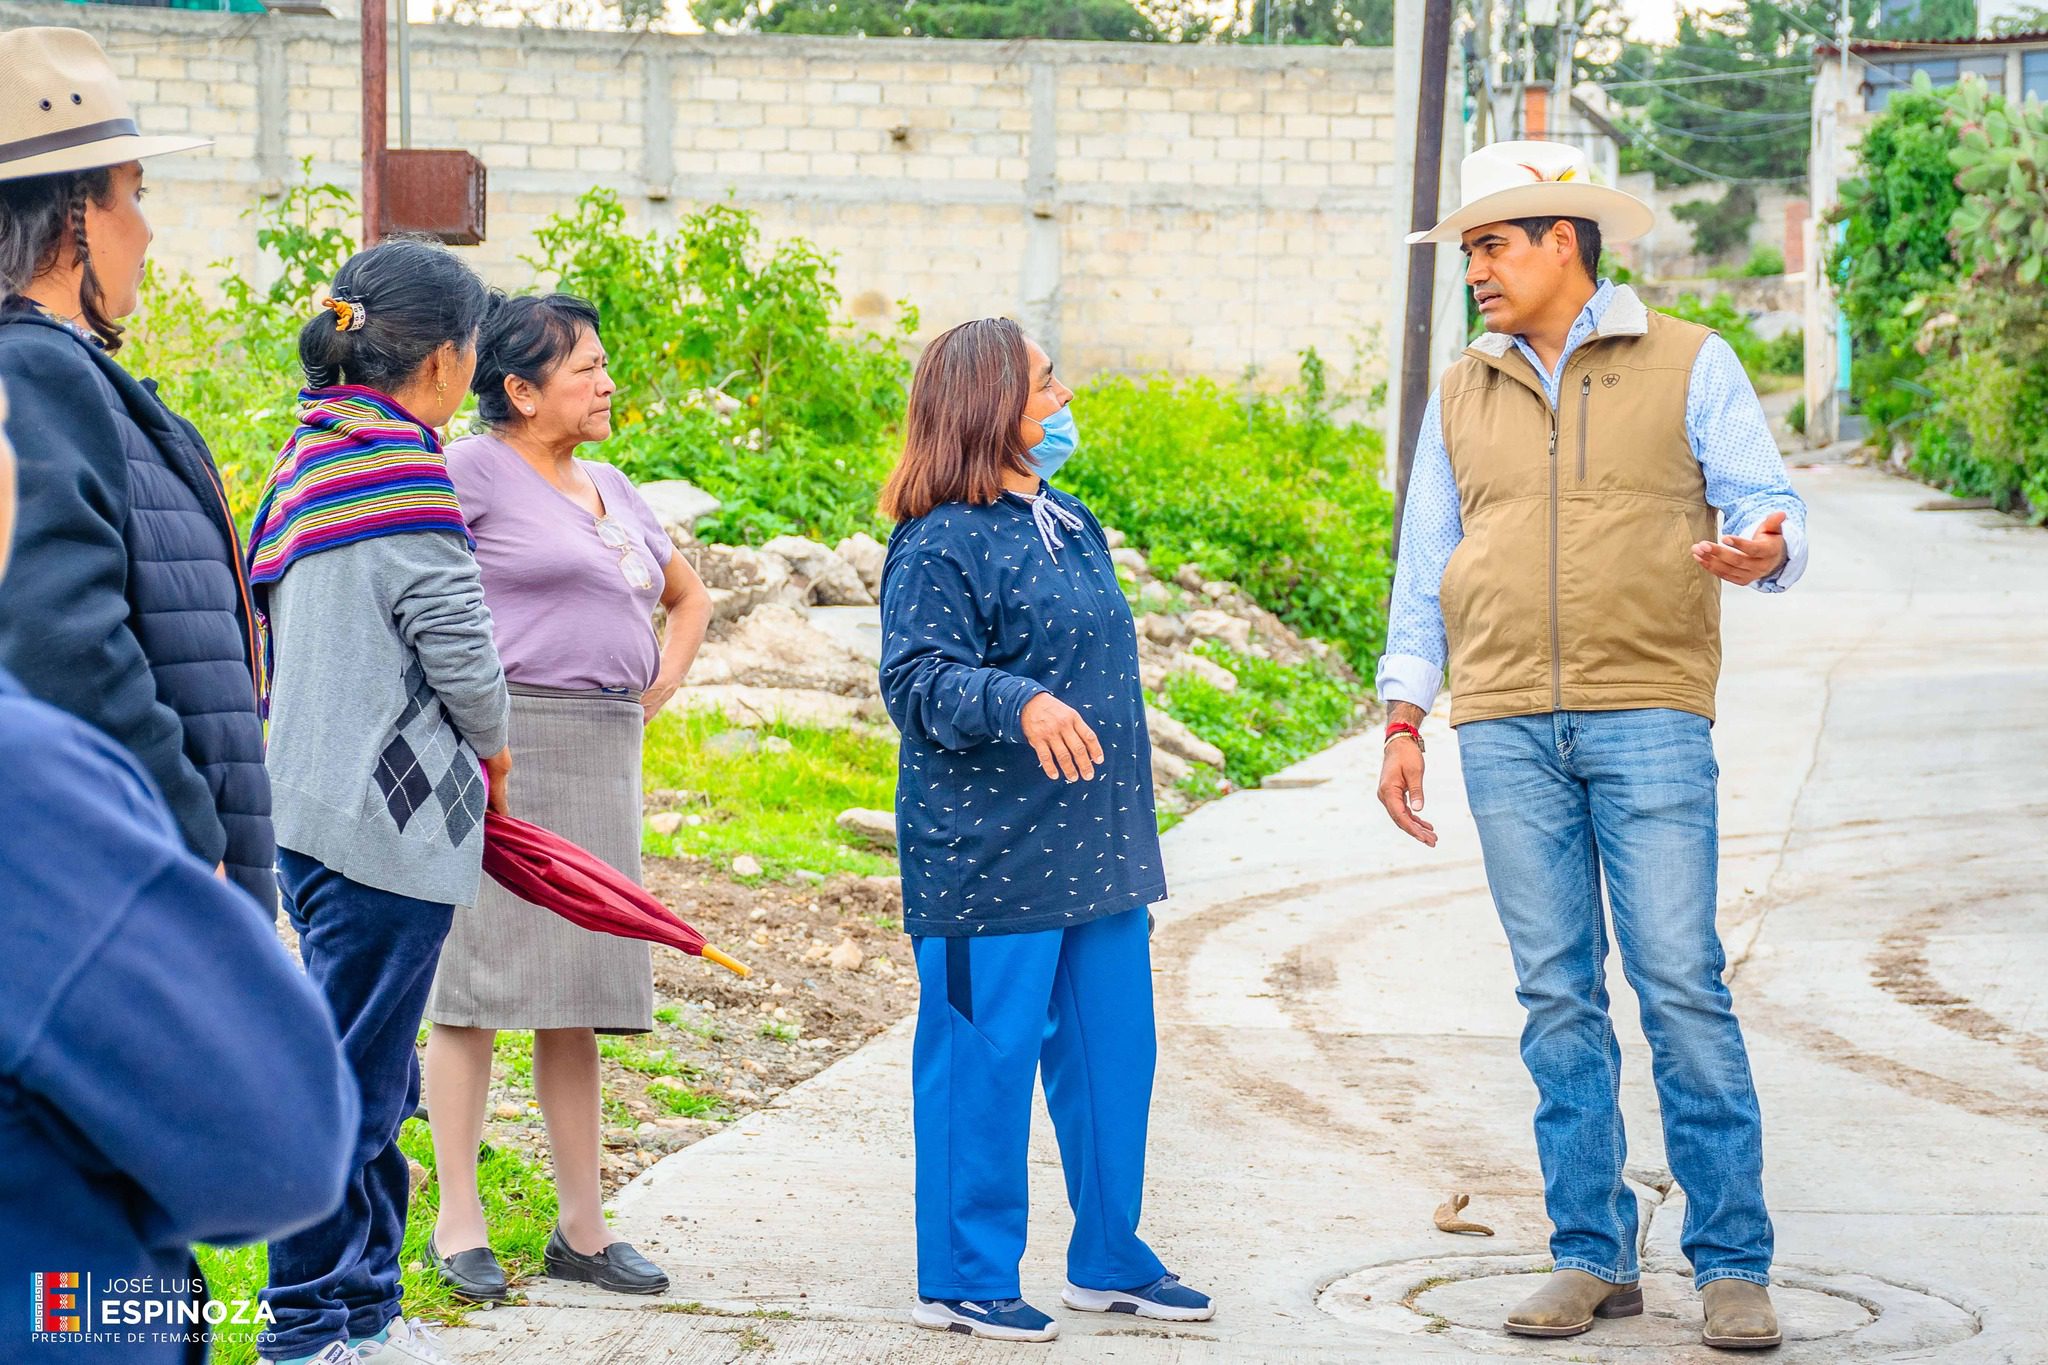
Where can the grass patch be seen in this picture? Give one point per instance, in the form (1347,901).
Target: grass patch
(519,1206)
(646,1061)
(1279,713)
(779,1031)
(675,1098)
(778,807)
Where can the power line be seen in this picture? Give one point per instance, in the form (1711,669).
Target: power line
(1761,72)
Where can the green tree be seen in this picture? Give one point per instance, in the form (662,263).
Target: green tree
(1720,225)
(1329,23)
(1106,20)
(1894,247)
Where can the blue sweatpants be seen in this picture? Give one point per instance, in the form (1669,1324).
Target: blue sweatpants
(1076,1005)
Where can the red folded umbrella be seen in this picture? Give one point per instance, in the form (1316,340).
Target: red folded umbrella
(557,875)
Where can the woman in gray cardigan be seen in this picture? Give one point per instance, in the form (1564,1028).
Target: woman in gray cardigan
(386,693)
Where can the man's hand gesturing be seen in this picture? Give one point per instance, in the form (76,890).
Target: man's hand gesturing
(1742,560)
(1401,777)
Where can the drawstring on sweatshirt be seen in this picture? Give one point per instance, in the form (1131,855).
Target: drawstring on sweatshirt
(1047,515)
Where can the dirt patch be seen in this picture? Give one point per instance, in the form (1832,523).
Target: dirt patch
(831,968)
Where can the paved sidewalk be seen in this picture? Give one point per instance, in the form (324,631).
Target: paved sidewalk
(1338,1040)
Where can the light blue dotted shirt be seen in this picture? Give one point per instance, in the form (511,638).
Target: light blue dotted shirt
(1729,434)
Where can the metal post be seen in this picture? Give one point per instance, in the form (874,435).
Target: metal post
(1422,209)
(373,118)
(404,22)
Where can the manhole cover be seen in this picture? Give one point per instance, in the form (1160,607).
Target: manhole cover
(1465,1298)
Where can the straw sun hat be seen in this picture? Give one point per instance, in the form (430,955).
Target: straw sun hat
(63,107)
(1510,180)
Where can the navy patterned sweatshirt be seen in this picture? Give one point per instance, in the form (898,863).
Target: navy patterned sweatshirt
(983,608)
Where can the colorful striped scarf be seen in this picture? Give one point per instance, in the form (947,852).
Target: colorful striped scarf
(359,466)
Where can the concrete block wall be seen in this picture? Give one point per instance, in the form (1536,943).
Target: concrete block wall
(1139,207)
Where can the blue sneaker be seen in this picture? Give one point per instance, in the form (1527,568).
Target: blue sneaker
(1166,1298)
(996,1319)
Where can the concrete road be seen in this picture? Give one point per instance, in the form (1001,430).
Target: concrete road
(1338,1036)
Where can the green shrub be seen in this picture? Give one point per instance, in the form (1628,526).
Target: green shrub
(1764,261)
(1760,358)
(736,369)
(1893,248)
(1280,494)
(1278,714)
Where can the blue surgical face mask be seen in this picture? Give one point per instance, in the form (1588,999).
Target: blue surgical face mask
(1058,445)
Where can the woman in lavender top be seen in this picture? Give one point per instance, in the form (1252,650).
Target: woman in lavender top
(574,564)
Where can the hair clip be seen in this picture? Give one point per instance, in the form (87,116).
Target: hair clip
(349,315)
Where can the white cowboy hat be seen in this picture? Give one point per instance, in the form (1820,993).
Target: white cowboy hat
(1510,180)
(64,107)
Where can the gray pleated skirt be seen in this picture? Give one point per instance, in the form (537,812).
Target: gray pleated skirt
(510,964)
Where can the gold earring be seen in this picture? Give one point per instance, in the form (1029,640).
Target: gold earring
(441,386)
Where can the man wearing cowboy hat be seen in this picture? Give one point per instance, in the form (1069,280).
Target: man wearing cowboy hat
(1561,557)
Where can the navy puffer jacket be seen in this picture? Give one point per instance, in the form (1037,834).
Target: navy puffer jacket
(124,602)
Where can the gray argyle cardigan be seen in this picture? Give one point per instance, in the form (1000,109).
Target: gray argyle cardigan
(386,687)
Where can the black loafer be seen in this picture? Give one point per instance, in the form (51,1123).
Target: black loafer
(474,1275)
(618,1267)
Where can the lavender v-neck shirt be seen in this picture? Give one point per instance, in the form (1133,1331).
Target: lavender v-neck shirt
(562,610)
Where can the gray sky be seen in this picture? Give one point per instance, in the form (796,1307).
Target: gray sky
(1652,20)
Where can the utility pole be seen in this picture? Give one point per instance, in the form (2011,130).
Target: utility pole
(373,118)
(1562,126)
(1422,210)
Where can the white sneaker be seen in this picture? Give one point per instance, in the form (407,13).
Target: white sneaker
(336,1353)
(409,1340)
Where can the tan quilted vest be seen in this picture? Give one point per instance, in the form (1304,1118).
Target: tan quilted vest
(1574,588)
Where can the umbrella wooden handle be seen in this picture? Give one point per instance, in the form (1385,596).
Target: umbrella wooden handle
(738,968)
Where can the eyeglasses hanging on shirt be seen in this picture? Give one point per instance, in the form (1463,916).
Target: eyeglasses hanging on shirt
(631,566)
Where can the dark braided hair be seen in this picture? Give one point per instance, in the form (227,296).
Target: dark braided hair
(38,214)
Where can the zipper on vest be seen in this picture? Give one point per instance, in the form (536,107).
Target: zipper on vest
(1585,391)
(1556,654)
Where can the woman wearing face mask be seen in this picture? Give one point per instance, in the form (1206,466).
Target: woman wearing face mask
(1028,843)
(574,564)
(127,606)
(385,692)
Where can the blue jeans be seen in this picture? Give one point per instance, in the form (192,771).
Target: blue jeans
(372,954)
(1562,801)
(1074,1005)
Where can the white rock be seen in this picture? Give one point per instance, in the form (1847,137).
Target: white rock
(1207,669)
(1132,560)
(1174,737)
(678,505)
(1217,589)
(1114,537)
(746,865)
(1163,628)
(742,705)
(774,646)
(668,822)
(776,744)
(827,580)
(877,827)
(741,579)
(1155,595)
(866,554)
(1210,624)
(1167,768)
(1189,577)
(846,956)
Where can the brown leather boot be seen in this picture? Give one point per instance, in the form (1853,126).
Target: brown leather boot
(1569,1301)
(1739,1316)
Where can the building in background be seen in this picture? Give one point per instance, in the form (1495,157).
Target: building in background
(1850,89)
